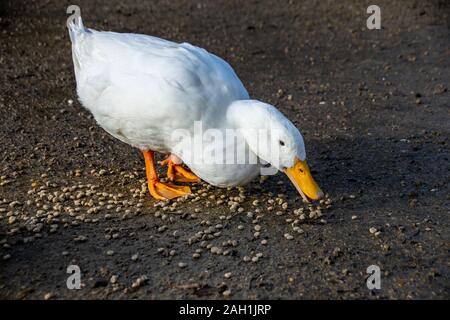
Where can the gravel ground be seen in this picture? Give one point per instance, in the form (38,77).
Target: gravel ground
(374,110)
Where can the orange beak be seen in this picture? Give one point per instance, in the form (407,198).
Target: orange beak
(301,177)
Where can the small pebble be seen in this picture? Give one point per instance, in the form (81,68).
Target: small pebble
(216,250)
(288,236)
(113,279)
(227,293)
(139,282)
(49,296)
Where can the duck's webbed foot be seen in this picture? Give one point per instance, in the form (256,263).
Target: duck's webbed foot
(176,172)
(166,191)
(157,189)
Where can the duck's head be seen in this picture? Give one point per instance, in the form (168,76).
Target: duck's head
(275,139)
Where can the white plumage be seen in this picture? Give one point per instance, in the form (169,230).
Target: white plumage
(141,89)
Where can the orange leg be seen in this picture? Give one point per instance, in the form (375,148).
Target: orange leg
(176,172)
(157,189)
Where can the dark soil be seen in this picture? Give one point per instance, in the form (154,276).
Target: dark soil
(373,106)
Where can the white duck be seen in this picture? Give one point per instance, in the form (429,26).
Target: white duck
(142,90)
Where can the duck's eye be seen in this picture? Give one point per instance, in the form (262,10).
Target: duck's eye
(282,143)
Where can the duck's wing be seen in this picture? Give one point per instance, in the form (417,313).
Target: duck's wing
(131,75)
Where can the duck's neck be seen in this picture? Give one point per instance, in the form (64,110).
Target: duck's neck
(247,114)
